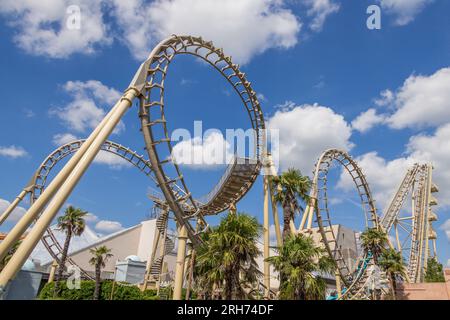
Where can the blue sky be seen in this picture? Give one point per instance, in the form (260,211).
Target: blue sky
(324,79)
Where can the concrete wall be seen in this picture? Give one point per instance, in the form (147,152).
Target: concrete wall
(425,291)
(25,286)
(122,245)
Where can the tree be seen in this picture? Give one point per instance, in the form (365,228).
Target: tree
(434,271)
(373,241)
(391,262)
(73,224)
(99,258)
(292,186)
(9,255)
(227,258)
(302,262)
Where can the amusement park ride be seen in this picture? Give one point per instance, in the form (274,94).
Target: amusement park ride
(147,87)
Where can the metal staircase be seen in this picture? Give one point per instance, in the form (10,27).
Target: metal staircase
(162,246)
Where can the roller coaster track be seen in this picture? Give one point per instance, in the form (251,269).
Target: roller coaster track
(38,182)
(148,87)
(319,206)
(156,132)
(416,226)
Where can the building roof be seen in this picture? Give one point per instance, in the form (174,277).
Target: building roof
(86,240)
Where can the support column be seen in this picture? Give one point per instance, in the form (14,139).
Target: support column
(12,206)
(271,172)
(179,269)
(51,276)
(397,237)
(276,218)
(21,226)
(30,242)
(338,284)
(266,238)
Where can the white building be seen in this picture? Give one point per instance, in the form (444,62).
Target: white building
(136,244)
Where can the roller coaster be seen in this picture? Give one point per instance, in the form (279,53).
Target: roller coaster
(174,197)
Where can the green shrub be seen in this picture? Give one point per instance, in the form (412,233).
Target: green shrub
(121,292)
(86,291)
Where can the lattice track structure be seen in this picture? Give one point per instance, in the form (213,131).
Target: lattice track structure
(412,227)
(353,279)
(147,87)
(39,180)
(156,133)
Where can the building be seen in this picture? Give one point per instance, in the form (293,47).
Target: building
(425,291)
(131,249)
(132,244)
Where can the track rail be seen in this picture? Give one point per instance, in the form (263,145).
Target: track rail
(39,180)
(156,132)
(413,231)
(319,203)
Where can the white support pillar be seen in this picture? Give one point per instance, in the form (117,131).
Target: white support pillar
(266,238)
(30,242)
(12,206)
(21,226)
(179,269)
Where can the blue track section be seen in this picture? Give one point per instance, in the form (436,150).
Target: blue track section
(362,266)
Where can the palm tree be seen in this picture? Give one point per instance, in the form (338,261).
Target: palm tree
(99,258)
(392,263)
(73,224)
(373,241)
(302,262)
(292,185)
(227,259)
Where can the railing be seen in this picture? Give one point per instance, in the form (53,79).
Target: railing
(228,172)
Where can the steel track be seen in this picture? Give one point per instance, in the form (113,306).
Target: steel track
(319,192)
(156,133)
(38,183)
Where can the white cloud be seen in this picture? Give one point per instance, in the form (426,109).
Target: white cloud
(83,112)
(15,215)
(446,228)
(386,98)
(42,26)
(435,148)
(90,218)
(204,153)
(242,28)
(63,138)
(107,226)
(319,10)
(305,132)
(28,113)
(367,120)
(384,176)
(422,101)
(404,10)
(13,152)
(261,97)
(113,161)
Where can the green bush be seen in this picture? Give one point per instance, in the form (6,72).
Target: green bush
(86,292)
